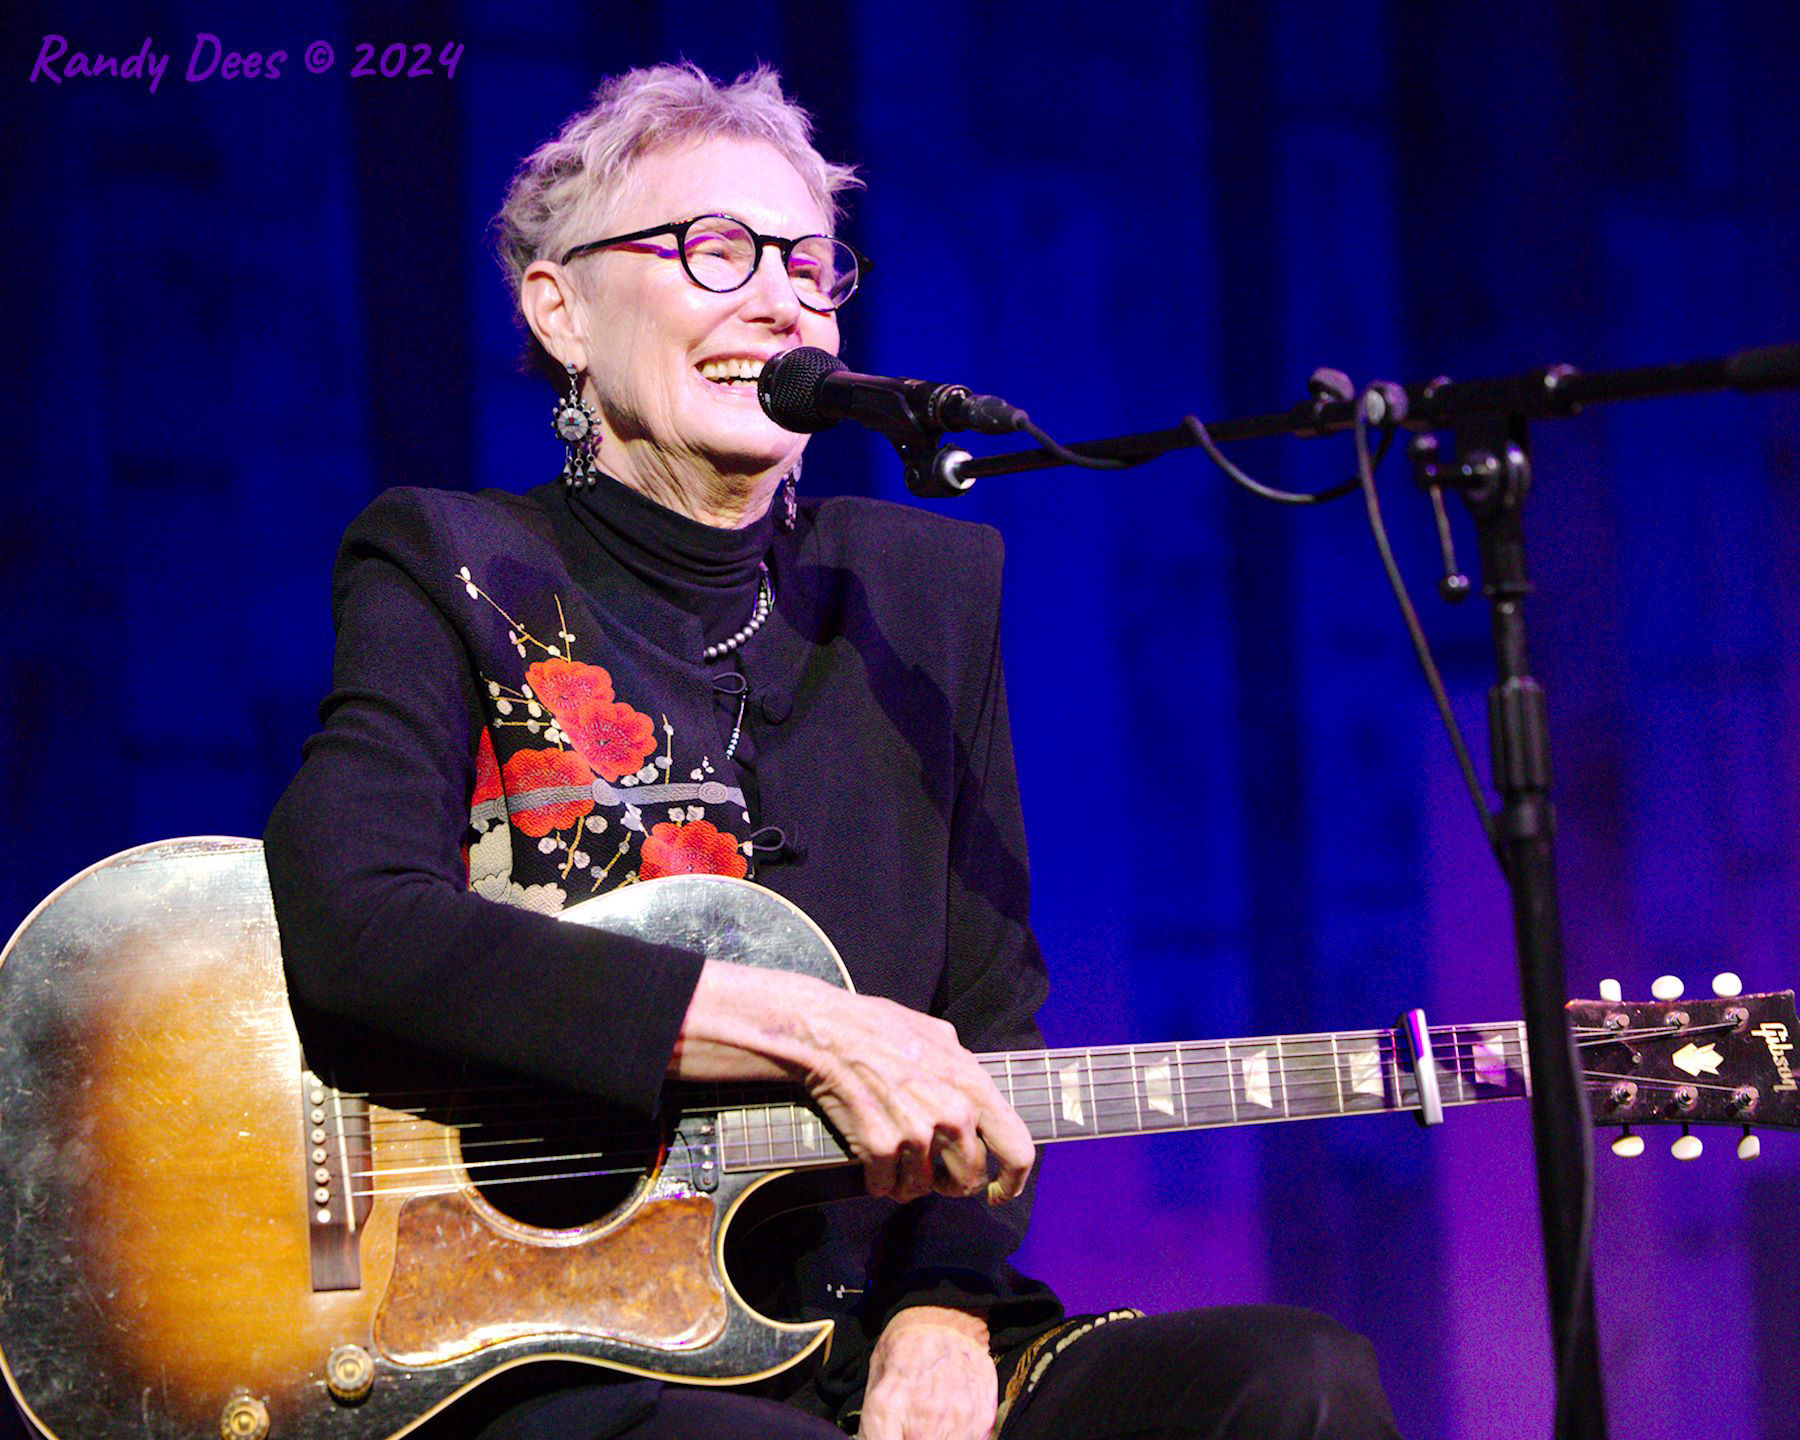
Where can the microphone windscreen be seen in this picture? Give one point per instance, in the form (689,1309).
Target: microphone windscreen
(789,388)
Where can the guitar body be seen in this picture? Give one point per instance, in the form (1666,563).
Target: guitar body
(161,1244)
(219,1216)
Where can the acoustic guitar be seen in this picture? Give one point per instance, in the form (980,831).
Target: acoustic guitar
(207,1228)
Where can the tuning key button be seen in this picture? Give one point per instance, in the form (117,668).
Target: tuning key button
(1686,1146)
(1611,992)
(1666,987)
(1628,1146)
(1727,986)
(1750,1146)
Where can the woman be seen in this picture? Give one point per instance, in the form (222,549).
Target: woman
(664,664)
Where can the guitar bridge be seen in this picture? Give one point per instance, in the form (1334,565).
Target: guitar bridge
(340,1180)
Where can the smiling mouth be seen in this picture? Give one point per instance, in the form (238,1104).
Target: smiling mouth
(738,370)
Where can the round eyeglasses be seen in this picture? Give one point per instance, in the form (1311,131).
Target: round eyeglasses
(720,254)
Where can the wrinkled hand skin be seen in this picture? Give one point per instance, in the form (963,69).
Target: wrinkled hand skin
(931,1378)
(916,1108)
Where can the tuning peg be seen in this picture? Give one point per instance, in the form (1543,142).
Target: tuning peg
(1628,1146)
(1750,1146)
(1611,993)
(1727,986)
(1667,987)
(1686,1146)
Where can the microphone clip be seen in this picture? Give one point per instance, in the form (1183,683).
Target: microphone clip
(933,469)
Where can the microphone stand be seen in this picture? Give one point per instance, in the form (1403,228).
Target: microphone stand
(1489,420)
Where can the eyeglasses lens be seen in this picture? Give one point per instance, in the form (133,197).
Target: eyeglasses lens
(721,255)
(823,271)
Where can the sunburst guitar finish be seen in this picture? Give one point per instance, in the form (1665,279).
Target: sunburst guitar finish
(207,1228)
(161,1201)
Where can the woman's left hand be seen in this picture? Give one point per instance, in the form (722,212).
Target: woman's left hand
(931,1378)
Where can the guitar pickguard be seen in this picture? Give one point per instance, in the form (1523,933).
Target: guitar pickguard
(460,1286)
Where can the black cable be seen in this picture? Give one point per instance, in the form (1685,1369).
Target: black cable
(1203,438)
(1571,1329)
(1366,464)
(1365,473)
(1565,1362)
(1074,457)
(1364,478)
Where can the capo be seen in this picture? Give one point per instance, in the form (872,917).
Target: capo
(1415,1036)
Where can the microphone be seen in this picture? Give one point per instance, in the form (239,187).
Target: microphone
(808,389)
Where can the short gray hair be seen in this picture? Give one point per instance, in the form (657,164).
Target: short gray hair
(573,184)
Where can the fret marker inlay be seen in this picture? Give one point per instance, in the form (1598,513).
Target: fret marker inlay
(1365,1072)
(1256,1080)
(1069,1084)
(1489,1055)
(1159,1089)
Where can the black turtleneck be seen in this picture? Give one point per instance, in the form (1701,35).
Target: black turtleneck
(708,571)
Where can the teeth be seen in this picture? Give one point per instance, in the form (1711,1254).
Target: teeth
(738,367)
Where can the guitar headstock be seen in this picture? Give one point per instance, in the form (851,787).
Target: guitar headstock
(1725,1060)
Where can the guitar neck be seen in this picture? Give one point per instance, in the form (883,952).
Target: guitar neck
(1198,1085)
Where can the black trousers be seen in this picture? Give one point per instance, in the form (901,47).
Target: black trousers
(1247,1372)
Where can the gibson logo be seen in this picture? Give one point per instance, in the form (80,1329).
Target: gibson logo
(1775,1035)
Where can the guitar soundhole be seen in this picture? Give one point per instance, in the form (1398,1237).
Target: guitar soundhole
(555,1161)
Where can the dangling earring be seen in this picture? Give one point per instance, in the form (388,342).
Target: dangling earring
(790,503)
(575,424)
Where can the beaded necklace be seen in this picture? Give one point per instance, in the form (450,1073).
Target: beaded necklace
(765,602)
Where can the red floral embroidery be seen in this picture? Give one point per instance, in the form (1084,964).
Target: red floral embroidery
(696,848)
(564,684)
(612,737)
(487,771)
(531,770)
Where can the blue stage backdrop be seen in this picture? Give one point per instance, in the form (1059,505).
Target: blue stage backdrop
(237,309)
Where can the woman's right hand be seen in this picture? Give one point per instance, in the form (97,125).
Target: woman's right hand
(915,1107)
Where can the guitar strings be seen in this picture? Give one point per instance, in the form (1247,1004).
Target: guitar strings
(1031,1099)
(453,1184)
(452,1171)
(1113,1080)
(1101,1091)
(1453,1034)
(1102,1060)
(1458,1037)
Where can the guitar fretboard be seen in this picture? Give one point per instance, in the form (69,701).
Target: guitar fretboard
(1197,1085)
